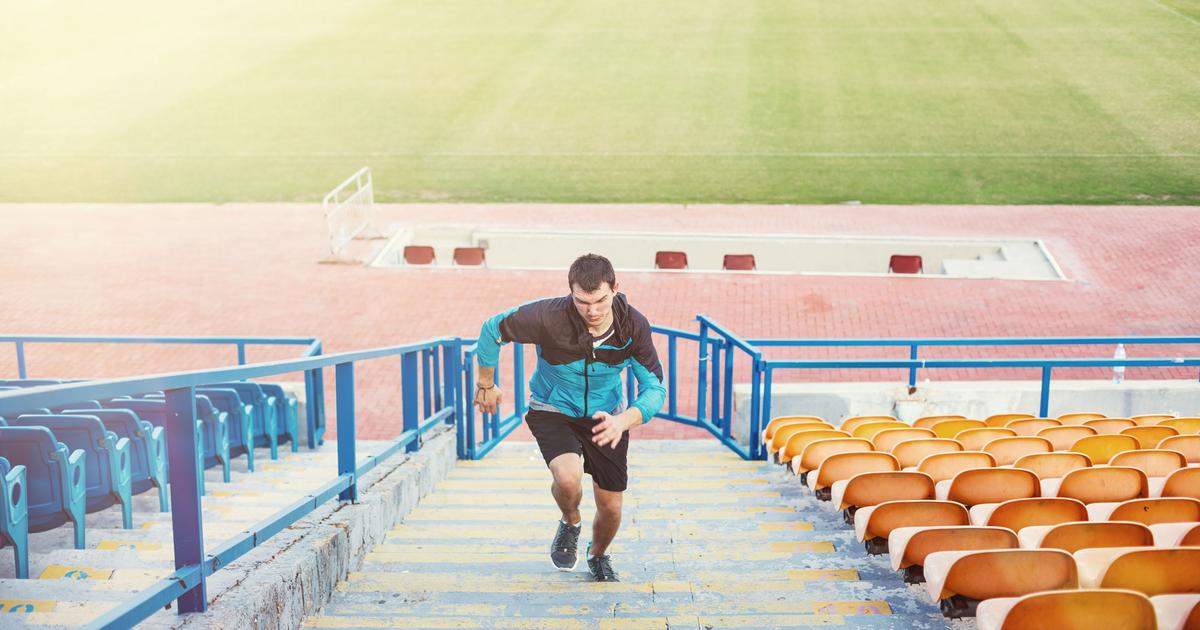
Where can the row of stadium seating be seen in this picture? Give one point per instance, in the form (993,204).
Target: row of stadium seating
(1008,527)
(59,464)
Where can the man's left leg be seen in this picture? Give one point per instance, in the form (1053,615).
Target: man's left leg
(608,518)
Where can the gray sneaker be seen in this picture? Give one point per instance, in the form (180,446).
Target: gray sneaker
(601,567)
(564,551)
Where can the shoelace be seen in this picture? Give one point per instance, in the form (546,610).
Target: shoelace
(560,538)
(604,568)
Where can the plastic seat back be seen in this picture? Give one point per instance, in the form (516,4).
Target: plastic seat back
(870,429)
(1149,436)
(817,452)
(1104,484)
(894,514)
(1080,417)
(1010,449)
(1010,573)
(83,433)
(887,439)
(1004,419)
(1155,571)
(1073,536)
(36,449)
(941,466)
(1162,510)
(1185,426)
(927,422)
(933,539)
(1189,445)
(1078,610)
(1031,426)
(796,444)
(911,452)
(1184,482)
(1064,437)
(847,465)
(83,404)
(1153,462)
(780,421)
(1017,514)
(993,485)
(1151,418)
(951,428)
(1102,448)
(785,433)
(1053,465)
(849,424)
(1110,425)
(873,488)
(125,424)
(975,439)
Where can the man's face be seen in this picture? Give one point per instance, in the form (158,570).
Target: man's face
(593,306)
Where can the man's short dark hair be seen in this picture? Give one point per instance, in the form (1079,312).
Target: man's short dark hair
(590,271)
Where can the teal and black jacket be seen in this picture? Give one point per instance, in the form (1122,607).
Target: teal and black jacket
(571,375)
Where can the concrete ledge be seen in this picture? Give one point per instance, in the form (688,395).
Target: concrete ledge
(294,573)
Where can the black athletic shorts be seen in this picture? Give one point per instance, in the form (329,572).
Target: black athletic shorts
(557,433)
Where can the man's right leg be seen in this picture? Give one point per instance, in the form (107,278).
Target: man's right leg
(563,455)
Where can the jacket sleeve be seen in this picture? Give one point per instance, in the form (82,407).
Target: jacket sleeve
(648,372)
(521,324)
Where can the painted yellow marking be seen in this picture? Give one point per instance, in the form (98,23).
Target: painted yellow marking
(549,515)
(510,623)
(818,546)
(761,621)
(440,557)
(799,526)
(382,581)
(60,571)
(824,575)
(19,606)
(128,545)
(634,623)
(869,607)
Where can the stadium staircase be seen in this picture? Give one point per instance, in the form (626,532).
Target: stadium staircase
(708,541)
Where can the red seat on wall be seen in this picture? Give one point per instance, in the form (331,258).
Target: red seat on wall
(419,255)
(739,262)
(469,256)
(670,260)
(902,263)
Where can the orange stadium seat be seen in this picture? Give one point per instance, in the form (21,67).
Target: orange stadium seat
(927,422)
(1031,426)
(1185,426)
(1100,487)
(1189,445)
(951,428)
(981,486)
(1010,449)
(1102,448)
(1065,436)
(1003,419)
(1068,610)
(849,424)
(1053,465)
(798,441)
(781,421)
(887,439)
(873,488)
(846,465)
(873,524)
(1110,425)
(909,546)
(1080,418)
(1017,514)
(910,452)
(869,429)
(1154,462)
(1072,536)
(1184,482)
(944,466)
(817,451)
(975,439)
(1149,436)
(1151,418)
(1147,570)
(966,577)
(785,433)
(1155,511)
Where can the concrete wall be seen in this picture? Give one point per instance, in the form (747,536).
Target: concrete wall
(974,399)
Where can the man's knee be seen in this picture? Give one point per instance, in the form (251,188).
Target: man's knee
(608,502)
(568,473)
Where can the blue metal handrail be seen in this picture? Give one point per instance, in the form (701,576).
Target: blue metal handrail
(314,387)
(193,565)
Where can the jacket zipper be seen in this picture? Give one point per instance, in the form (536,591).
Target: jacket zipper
(585,380)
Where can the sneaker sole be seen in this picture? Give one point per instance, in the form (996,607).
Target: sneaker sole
(566,569)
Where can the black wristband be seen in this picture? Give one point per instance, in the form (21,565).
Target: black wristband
(478,386)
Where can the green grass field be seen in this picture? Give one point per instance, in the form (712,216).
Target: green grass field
(781,101)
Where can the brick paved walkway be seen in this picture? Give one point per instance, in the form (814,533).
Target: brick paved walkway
(243,269)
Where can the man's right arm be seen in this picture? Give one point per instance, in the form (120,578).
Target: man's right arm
(520,324)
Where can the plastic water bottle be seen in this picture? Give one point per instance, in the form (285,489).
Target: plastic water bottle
(1119,370)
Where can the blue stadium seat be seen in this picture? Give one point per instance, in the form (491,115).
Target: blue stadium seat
(107,464)
(239,417)
(14,515)
(55,478)
(287,408)
(216,432)
(266,432)
(147,449)
(83,404)
(155,412)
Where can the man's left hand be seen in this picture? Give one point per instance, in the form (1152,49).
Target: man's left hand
(609,430)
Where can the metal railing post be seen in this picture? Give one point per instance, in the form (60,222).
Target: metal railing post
(241,350)
(715,403)
(702,373)
(426,382)
(344,383)
(756,445)
(21,359)
(519,379)
(755,405)
(187,525)
(1044,407)
(409,392)
(727,391)
(673,383)
(469,402)
(912,371)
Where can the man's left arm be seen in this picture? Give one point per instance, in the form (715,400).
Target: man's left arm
(651,392)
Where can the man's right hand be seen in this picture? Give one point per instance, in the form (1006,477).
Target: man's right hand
(488,400)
